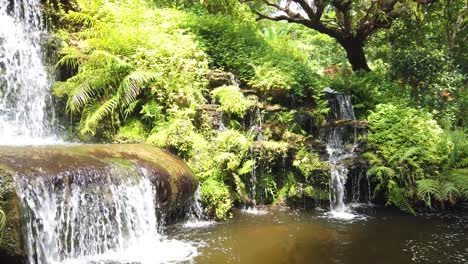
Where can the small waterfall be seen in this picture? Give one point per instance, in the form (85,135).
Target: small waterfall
(340,143)
(195,214)
(93,216)
(24,83)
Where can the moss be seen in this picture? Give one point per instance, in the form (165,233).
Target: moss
(11,238)
(133,131)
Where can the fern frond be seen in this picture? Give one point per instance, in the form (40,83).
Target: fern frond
(448,192)
(426,189)
(397,196)
(373,158)
(460,178)
(96,113)
(381,172)
(100,58)
(131,85)
(410,152)
(85,20)
(69,60)
(240,188)
(462,163)
(82,93)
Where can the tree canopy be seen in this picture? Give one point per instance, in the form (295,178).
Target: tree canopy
(350,22)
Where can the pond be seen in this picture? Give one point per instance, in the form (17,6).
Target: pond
(279,235)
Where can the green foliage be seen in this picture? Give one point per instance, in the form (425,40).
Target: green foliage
(232,100)
(409,158)
(397,132)
(268,77)
(132,131)
(120,61)
(2,223)
(238,45)
(138,72)
(309,163)
(424,56)
(177,134)
(216,196)
(368,89)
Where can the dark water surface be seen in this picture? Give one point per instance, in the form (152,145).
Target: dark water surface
(286,236)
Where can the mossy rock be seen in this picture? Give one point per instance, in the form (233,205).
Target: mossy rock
(11,238)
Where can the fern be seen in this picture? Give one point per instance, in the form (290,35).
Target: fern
(398,197)
(2,223)
(448,192)
(131,85)
(426,189)
(93,114)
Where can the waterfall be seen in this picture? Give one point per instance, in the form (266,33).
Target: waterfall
(195,215)
(340,143)
(24,83)
(94,216)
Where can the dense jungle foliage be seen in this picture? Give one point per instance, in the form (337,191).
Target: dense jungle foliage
(241,99)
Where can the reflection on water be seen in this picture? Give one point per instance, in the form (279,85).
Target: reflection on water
(285,236)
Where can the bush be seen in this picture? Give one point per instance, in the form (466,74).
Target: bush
(123,64)
(407,156)
(232,100)
(215,195)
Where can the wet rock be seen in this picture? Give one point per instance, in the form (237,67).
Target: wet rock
(217,78)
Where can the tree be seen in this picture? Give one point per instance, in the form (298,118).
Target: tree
(350,22)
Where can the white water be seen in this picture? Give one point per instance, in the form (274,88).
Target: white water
(24,82)
(90,217)
(340,145)
(195,215)
(254,211)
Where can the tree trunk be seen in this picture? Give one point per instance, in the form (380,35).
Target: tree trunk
(355,53)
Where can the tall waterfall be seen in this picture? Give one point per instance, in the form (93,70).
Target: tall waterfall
(340,143)
(24,83)
(96,216)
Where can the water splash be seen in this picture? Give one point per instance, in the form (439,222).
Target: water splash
(24,82)
(254,211)
(89,216)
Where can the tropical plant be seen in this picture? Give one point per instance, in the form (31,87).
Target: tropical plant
(232,100)
(119,64)
(2,223)
(407,156)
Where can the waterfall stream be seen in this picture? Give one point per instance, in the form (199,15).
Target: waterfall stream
(94,216)
(340,143)
(81,214)
(24,82)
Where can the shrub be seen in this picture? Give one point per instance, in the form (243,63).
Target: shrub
(407,156)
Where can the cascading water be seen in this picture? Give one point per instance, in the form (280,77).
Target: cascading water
(95,216)
(24,83)
(195,215)
(340,143)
